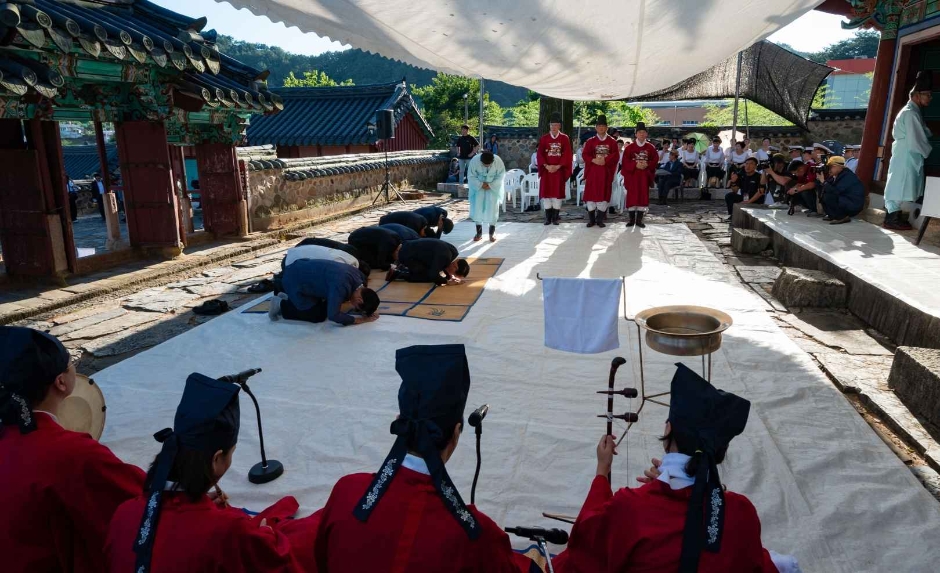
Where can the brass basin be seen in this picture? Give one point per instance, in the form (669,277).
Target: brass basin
(683,330)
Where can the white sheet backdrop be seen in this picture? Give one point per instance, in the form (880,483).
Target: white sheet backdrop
(826,487)
(559,48)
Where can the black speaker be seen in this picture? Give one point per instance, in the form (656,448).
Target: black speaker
(384,123)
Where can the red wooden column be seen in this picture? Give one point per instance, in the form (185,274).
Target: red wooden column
(219,186)
(875,115)
(35,227)
(149,200)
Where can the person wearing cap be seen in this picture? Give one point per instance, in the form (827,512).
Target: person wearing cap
(851,161)
(58,488)
(429,261)
(485,180)
(437,218)
(803,193)
(752,186)
(414,221)
(467,146)
(714,163)
(600,168)
(910,148)
(843,194)
(376,245)
(316,290)
(409,516)
(175,525)
(682,519)
(796,152)
(778,180)
(554,168)
(639,171)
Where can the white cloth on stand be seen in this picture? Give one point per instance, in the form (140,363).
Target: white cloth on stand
(581,314)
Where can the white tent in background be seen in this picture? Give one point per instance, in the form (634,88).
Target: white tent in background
(570,50)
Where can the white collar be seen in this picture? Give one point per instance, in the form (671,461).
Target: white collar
(50,414)
(672,471)
(415,464)
(637,141)
(602,138)
(554,136)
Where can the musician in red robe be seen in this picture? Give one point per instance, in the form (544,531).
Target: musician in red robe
(639,172)
(409,517)
(58,489)
(601,155)
(682,520)
(175,526)
(554,161)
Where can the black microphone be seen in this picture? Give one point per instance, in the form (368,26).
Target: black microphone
(266,470)
(476,418)
(556,536)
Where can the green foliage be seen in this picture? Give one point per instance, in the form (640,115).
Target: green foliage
(313,79)
(719,116)
(864,44)
(444,107)
(618,113)
(360,67)
(524,114)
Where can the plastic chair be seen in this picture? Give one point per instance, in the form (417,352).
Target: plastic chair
(580,182)
(618,193)
(512,185)
(530,190)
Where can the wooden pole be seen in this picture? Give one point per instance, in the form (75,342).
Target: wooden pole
(737,95)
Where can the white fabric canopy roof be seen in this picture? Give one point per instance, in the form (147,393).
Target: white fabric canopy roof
(559,48)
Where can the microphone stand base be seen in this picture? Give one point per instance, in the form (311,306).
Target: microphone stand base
(261,474)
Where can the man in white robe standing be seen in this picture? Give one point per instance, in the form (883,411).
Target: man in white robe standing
(908,152)
(485,179)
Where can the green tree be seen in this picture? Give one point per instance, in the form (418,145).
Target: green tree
(618,113)
(722,116)
(524,114)
(864,44)
(313,79)
(443,106)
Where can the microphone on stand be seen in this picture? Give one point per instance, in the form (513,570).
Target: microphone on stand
(266,470)
(542,537)
(476,420)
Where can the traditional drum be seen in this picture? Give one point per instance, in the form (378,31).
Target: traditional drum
(84,410)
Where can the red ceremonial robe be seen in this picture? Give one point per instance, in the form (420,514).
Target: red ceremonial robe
(58,491)
(554,151)
(599,179)
(638,181)
(409,531)
(640,530)
(201,537)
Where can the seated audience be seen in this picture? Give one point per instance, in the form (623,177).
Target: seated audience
(404,233)
(690,163)
(58,488)
(176,525)
(409,517)
(414,221)
(534,162)
(453,172)
(315,290)
(714,163)
(843,194)
(738,156)
(436,217)
(804,192)
(670,177)
(763,155)
(429,261)
(851,160)
(376,246)
(751,186)
(682,518)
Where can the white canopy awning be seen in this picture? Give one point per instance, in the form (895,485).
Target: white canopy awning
(559,48)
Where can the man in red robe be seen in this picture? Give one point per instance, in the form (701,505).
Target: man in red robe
(600,154)
(554,161)
(175,526)
(639,172)
(58,489)
(409,517)
(682,519)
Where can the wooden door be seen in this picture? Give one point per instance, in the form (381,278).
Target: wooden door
(219,187)
(24,228)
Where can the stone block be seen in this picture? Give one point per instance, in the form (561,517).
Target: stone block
(915,378)
(457,190)
(748,241)
(807,288)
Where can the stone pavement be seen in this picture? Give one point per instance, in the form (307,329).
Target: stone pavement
(116,326)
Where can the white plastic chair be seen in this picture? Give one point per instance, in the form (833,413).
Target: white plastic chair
(512,185)
(530,190)
(580,181)
(618,192)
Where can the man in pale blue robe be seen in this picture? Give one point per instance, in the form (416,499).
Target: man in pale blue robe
(911,147)
(485,180)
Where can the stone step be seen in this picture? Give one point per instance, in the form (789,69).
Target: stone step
(915,378)
(748,241)
(456,190)
(805,288)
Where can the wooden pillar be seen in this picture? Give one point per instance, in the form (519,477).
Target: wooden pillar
(874,117)
(220,187)
(549,105)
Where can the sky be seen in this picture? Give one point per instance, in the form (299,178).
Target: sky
(810,33)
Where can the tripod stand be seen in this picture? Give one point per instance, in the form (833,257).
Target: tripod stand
(388,182)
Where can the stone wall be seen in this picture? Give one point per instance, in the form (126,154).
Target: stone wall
(284,191)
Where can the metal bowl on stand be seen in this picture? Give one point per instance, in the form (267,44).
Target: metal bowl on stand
(683,330)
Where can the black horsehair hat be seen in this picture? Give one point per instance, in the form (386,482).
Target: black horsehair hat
(555,117)
(924,81)
(640,126)
(27,357)
(706,419)
(207,419)
(435,382)
(601,120)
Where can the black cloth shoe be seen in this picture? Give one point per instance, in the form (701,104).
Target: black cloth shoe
(479,234)
(492,233)
(548,217)
(632,220)
(601,215)
(592,218)
(556,216)
(211,308)
(639,220)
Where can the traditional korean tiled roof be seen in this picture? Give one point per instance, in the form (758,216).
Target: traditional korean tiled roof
(124,31)
(333,115)
(81,161)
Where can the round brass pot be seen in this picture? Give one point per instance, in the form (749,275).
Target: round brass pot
(683,330)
